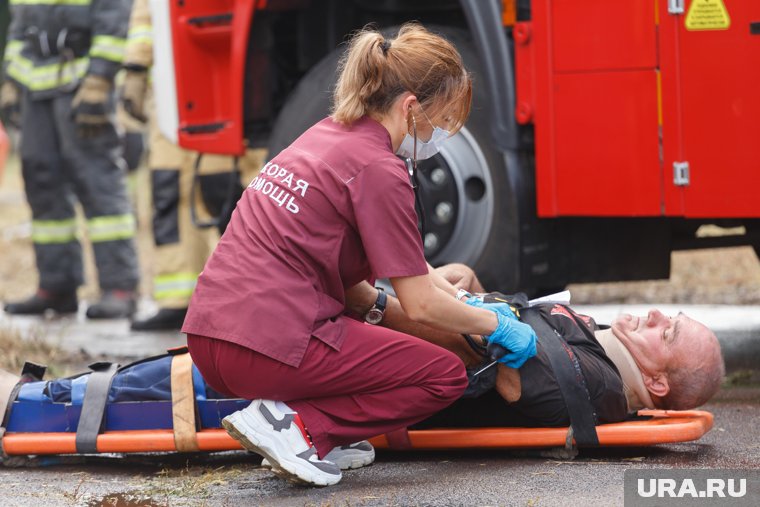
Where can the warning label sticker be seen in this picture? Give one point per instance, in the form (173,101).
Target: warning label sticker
(707,15)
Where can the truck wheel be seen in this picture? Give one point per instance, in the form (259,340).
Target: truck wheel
(470,213)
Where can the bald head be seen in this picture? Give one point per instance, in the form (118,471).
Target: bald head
(696,369)
(679,358)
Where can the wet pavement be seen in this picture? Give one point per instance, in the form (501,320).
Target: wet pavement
(98,338)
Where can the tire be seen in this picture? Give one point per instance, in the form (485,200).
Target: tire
(470,214)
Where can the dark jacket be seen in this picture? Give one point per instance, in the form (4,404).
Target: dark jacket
(541,402)
(51,47)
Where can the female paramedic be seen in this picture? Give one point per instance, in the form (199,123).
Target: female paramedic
(335,209)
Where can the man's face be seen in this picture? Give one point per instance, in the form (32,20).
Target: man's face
(657,341)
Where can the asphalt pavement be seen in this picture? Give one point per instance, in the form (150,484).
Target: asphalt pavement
(475,478)
(446,478)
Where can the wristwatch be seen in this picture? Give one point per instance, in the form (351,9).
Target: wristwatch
(375,314)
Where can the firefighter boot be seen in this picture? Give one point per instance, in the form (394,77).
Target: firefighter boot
(166,319)
(42,300)
(114,304)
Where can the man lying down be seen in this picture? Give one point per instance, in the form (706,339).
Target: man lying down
(639,362)
(652,361)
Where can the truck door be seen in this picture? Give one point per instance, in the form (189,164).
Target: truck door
(594,106)
(710,62)
(209,43)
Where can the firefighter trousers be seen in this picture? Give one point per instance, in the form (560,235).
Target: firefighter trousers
(180,246)
(60,169)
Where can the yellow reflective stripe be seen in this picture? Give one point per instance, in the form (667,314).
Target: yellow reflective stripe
(12,49)
(49,76)
(175,285)
(140,34)
(50,2)
(108,47)
(54,231)
(111,228)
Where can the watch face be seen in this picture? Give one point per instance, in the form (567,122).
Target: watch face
(374,316)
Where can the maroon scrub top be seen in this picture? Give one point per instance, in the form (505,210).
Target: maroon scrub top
(334,208)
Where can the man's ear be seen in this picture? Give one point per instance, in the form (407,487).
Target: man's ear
(656,384)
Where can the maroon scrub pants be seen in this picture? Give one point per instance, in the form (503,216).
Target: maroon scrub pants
(379,381)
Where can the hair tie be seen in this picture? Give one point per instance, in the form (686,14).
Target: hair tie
(385,46)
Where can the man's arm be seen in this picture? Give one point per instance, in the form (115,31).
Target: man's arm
(110,20)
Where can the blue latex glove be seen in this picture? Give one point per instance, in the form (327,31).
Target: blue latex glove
(500,308)
(517,337)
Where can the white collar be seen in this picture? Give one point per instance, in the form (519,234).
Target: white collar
(636,393)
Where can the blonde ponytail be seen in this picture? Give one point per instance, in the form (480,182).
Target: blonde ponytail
(361,74)
(374,72)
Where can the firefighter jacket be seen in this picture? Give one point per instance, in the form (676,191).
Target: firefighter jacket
(53,44)
(140,36)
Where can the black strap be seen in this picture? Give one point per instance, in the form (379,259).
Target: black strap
(479,349)
(411,168)
(569,376)
(94,406)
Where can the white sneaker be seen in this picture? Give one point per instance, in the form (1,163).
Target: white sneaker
(347,457)
(275,434)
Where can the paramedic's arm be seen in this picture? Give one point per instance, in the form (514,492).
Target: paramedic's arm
(427,304)
(362,296)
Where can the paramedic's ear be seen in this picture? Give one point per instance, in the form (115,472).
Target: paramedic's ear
(407,102)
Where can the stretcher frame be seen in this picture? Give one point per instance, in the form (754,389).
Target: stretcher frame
(661,427)
(173,426)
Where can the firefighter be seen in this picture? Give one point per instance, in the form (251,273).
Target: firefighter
(60,63)
(181,247)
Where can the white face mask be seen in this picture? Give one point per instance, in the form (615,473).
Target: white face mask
(425,149)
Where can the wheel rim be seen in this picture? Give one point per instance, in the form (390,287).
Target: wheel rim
(457,194)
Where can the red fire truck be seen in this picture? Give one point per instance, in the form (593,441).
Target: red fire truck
(603,134)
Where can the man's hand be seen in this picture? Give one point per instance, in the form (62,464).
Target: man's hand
(518,338)
(89,108)
(10,104)
(461,277)
(133,93)
(508,383)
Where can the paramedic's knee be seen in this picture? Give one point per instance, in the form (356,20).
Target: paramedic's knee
(452,377)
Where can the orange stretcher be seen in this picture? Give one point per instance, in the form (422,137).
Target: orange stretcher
(659,427)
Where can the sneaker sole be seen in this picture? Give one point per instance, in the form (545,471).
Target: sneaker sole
(260,444)
(357,462)
(344,464)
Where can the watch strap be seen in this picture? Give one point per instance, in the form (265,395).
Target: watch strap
(382,299)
